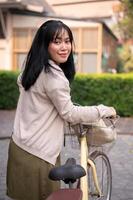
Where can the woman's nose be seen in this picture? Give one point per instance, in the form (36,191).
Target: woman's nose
(63,45)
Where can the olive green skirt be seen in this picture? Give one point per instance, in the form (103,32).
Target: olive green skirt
(27,175)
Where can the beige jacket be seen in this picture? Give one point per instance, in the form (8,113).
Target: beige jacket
(41,112)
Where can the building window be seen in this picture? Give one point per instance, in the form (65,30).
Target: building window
(86,49)
(90,39)
(89,62)
(22,39)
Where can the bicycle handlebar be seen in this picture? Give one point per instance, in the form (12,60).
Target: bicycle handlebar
(110,123)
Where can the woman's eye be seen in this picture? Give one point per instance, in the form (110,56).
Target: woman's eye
(57,41)
(67,41)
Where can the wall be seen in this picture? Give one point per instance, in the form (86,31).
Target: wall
(109,51)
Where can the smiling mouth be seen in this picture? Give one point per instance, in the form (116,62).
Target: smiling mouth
(63,55)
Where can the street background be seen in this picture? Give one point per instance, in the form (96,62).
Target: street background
(120,155)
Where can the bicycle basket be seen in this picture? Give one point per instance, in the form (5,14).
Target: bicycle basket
(100,134)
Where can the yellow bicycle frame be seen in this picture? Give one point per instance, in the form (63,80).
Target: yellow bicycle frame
(85,162)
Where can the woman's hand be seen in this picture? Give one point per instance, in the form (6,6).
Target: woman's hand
(106,111)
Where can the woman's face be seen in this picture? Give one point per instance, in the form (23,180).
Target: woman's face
(59,49)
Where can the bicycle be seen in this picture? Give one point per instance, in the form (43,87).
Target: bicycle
(94,174)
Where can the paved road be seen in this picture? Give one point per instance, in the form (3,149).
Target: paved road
(121,157)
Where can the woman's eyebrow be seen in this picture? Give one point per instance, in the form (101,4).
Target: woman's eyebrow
(60,38)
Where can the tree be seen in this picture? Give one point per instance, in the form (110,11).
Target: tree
(126,57)
(125,33)
(125,25)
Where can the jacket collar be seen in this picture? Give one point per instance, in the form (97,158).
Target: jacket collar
(54,65)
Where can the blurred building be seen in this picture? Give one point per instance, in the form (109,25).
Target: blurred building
(95,43)
(103,10)
(18,21)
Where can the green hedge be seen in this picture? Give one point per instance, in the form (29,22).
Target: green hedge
(109,89)
(8,90)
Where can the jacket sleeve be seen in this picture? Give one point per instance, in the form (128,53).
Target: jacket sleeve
(58,90)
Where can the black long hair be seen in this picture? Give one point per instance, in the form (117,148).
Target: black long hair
(37,57)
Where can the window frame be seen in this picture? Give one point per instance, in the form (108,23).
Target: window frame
(80,50)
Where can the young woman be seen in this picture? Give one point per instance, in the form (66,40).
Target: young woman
(43,107)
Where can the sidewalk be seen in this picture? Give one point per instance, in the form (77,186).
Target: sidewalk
(6,123)
(121,156)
